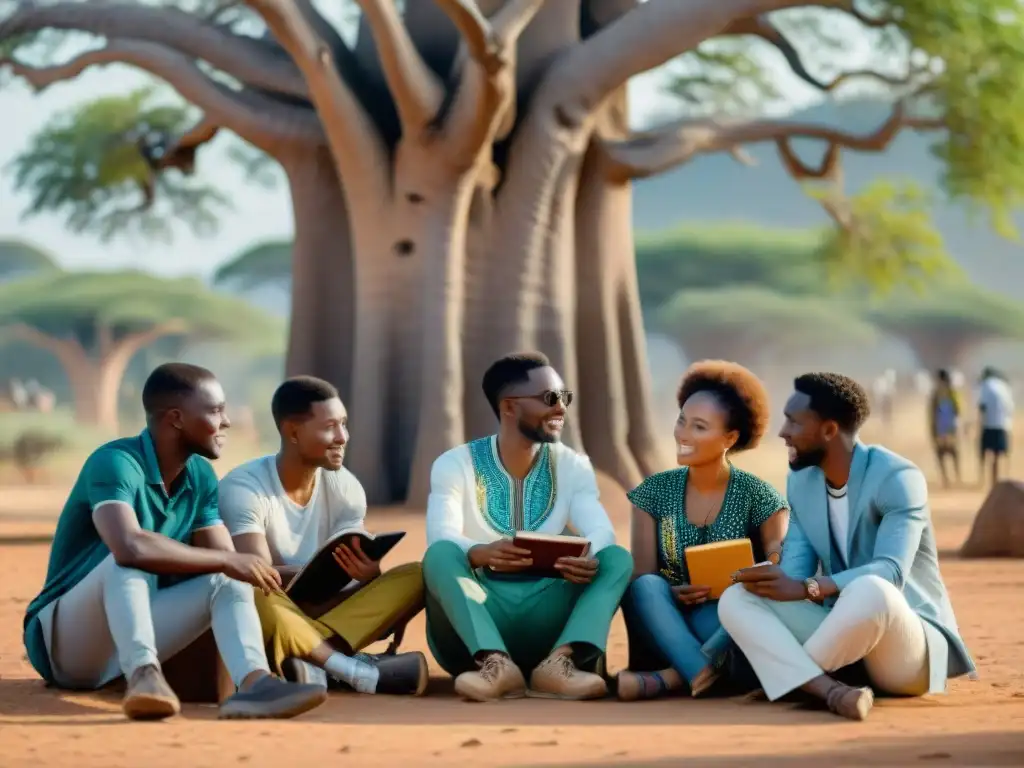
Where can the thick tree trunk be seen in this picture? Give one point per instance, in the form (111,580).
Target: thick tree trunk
(618,429)
(320,341)
(441,423)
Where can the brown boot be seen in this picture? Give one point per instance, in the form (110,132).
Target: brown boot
(149,697)
(558,678)
(497,678)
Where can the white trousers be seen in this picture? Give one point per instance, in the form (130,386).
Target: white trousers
(790,644)
(115,620)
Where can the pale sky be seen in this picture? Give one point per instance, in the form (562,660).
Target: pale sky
(257,213)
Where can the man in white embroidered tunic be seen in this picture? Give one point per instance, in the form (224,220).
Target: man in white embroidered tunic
(488,621)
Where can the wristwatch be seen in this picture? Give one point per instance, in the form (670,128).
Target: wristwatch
(812,588)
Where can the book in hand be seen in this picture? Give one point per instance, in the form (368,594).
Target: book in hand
(322,579)
(547,548)
(712,565)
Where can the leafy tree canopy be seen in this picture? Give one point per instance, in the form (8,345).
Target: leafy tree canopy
(951,308)
(18,257)
(86,304)
(95,166)
(268,263)
(761,316)
(695,258)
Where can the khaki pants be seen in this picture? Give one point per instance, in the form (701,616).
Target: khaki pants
(790,644)
(363,618)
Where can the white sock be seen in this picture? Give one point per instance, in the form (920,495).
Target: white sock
(360,675)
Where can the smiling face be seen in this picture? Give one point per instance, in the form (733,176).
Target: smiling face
(321,436)
(702,431)
(805,433)
(201,419)
(537,406)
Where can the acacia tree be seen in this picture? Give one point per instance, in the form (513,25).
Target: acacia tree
(94,323)
(18,258)
(744,323)
(944,324)
(461,177)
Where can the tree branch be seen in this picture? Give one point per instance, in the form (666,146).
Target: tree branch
(257,119)
(646,37)
(126,347)
(417,91)
(65,350)
(759,26)
(242,58)
(762,27)
(351,134)
(652,152)
(484,106)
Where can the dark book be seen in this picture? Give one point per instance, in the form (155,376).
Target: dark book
(322,578)
(546,548)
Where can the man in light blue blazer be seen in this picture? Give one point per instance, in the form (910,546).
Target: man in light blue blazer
(859,579)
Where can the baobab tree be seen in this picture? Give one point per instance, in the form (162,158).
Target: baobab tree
(460,177)
(94,323)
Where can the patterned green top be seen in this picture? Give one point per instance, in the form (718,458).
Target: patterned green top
(511,505)
(748,502)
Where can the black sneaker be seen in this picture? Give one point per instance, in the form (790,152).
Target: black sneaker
(271,698)
(401,674)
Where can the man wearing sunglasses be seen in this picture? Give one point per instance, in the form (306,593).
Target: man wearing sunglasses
(489,618)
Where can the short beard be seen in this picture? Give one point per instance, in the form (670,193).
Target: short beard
(536,434)
(805,459)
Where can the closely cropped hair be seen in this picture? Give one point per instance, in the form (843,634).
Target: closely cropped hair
(837,398)
(509,371)
(295,397)
(740,393)
(169,383)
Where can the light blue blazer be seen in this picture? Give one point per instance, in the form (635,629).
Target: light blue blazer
(890,536)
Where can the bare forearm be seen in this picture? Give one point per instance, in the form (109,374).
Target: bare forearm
(155,553)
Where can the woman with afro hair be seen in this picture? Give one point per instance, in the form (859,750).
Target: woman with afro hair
(723,410)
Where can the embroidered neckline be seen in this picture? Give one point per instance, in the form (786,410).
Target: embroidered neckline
(508,504)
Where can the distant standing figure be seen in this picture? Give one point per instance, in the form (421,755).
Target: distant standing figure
(944,419)
(884,391)
(995,414)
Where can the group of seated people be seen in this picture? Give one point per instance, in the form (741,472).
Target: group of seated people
(151,551)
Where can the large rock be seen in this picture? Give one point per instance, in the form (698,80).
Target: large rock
(999,525)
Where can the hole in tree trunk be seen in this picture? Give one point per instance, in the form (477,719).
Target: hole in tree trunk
(405,247)
(414,197)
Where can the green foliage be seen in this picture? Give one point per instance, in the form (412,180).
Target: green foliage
(268,263)
(18,257)
(761,318)
(86,165)
(979,47)
(60,423)
(692,258)
(890,239)
(81,303)
(951,309)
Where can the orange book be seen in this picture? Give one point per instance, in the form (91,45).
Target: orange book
(712,565)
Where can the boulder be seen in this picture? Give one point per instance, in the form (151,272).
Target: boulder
(998,529)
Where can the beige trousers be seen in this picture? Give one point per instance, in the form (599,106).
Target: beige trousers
(790,644)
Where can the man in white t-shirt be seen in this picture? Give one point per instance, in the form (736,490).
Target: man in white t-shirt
(996,407)
(284,507)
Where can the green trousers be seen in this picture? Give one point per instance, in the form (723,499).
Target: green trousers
(471,612)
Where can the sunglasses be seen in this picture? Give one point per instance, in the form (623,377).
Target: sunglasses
(549,398)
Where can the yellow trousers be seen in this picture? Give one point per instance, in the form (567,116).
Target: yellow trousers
(363,618)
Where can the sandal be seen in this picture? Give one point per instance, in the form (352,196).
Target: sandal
(649,685)
(849,702)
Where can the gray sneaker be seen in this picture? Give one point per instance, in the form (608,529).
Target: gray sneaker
(271,698)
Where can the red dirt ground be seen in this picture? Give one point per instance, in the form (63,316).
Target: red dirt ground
(979,724)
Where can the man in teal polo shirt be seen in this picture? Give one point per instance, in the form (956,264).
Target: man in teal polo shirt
(141,565)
